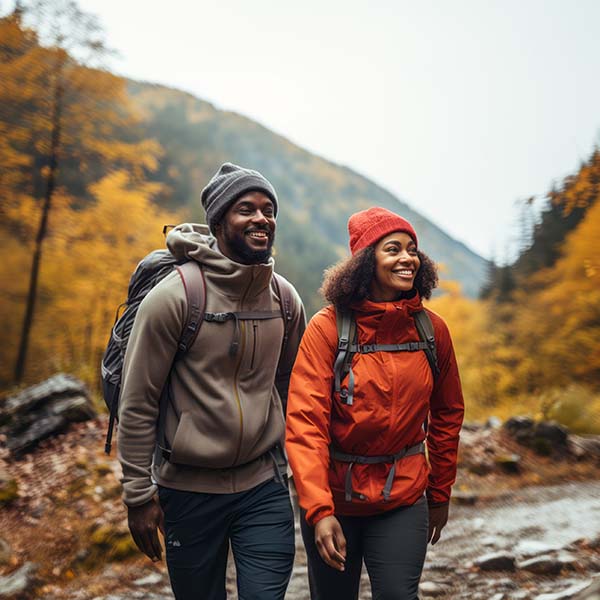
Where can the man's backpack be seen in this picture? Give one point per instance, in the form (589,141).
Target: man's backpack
(150,271)
(348,347)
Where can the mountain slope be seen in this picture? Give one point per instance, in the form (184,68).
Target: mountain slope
(316,196)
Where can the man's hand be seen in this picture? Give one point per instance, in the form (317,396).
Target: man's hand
(331,542)
(144,522)
(438,517)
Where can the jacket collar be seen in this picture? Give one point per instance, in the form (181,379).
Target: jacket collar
(235,280)
(387,322)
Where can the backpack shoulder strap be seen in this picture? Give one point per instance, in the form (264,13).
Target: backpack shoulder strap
(427,334)
(346,327)
(192,276)
(286,301)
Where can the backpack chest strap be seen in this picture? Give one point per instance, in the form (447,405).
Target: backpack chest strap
(223,317)
(406,347)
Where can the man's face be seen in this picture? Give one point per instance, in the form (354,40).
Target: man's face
(247,231)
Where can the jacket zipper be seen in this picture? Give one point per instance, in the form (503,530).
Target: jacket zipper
(254,326)
(236,392)
(235,377)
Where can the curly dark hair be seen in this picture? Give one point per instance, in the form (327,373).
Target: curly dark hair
(349,280)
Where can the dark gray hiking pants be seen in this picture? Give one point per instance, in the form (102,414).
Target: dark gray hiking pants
(393,545)
(199,527)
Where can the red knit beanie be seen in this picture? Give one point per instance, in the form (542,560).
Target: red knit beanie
(369,226)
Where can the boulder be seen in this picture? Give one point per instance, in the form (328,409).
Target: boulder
(509,463)
(44,410)
(430,589)
(19,583)
(498,561)
(544,437)
(519,427)
(542,565)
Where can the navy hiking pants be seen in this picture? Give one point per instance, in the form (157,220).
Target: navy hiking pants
(393,545)
(199,527)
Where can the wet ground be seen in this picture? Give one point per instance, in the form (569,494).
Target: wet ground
(544,522)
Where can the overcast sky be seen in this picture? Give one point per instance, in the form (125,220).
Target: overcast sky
(461,108)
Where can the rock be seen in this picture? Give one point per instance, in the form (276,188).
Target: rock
(592,592)
(542,565)
(5,552)
(20,582)
(440,564)
(509,463)
(9,488)
(491,541)
(569,593)
(44,410)
(519,427)
(499,561)
(555,433)
(568,561)
(480,466)
(432,589)
(493,423)
(543,437)
(532,548)
(464,498)
(506,583)
(594,543)
(151,579)
(584,446)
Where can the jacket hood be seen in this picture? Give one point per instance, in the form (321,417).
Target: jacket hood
(195,242)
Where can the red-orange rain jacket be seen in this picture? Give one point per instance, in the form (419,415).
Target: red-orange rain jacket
(393,394)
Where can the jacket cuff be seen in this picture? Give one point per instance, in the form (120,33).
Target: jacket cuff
(437,498)
(318,515)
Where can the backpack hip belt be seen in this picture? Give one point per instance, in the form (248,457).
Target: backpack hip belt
(392,459)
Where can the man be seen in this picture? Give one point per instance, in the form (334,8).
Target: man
(223,479)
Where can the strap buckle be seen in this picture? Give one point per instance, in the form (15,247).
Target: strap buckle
(218,317)
(366,348)
(343,344)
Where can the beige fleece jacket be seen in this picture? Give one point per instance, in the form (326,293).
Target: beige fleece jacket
(226,411)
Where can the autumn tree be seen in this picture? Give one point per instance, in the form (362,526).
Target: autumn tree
(59,119)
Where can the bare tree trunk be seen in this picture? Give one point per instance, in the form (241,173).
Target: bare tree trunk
(56,122)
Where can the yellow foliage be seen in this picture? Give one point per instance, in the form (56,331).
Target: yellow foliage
(87,261)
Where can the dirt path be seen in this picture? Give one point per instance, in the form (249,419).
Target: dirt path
(534,522)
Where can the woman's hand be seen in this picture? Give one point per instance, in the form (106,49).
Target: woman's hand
(331,542)
(438,517)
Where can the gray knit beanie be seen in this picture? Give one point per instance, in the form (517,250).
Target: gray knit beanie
(227,185)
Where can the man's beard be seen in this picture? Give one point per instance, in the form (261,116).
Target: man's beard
(239,245)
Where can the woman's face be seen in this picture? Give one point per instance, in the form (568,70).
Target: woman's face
(396,266)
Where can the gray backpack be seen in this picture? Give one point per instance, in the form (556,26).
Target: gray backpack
(150,271)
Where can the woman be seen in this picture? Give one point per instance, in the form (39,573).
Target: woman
(356,442)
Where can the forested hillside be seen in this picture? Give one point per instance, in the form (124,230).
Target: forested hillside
(317,196)
(533,342)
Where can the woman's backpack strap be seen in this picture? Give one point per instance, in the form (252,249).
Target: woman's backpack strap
(346,327)
(427,334)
